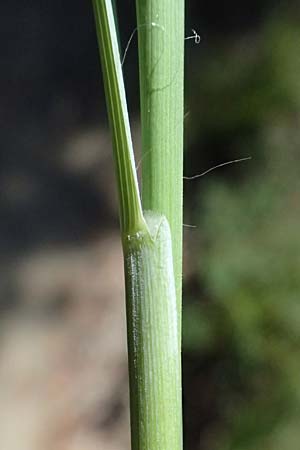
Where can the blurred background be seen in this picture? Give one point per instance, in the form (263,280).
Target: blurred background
(63,369)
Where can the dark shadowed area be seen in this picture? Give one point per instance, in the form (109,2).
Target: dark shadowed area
(63,366)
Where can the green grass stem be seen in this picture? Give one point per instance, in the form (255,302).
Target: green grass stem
(152,318)
(161,62)
(154,355)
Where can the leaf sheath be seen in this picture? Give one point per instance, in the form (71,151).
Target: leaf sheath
(154,358)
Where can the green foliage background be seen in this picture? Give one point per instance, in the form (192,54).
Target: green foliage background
(242,311)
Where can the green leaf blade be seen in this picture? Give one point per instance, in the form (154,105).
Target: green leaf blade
(131,216)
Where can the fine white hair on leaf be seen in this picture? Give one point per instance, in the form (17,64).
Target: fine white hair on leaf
(142,159)
(195,36)
(216,167)
(186,225)
(152,24)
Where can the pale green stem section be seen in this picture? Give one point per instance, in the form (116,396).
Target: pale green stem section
(131,216)
(161,60)
(154,356)
(153,346)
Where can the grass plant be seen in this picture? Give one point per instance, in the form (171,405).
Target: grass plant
(152,234)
